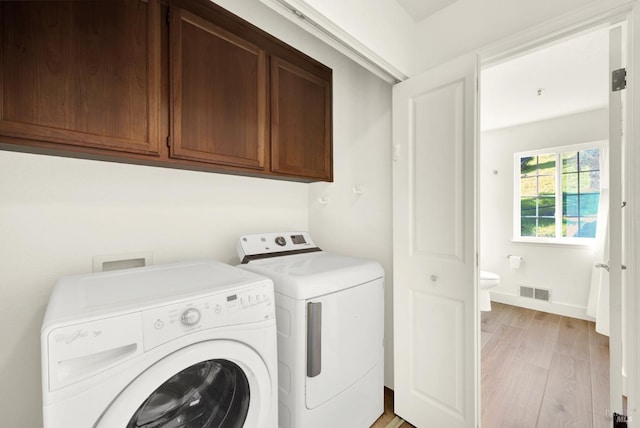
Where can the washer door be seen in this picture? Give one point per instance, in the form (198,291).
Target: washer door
(215,384)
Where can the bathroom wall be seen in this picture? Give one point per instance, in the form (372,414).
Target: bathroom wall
(563,268)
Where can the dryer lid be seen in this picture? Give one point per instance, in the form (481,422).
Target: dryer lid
(306,276)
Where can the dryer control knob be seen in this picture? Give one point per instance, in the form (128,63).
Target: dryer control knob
(190,317)
(281,241)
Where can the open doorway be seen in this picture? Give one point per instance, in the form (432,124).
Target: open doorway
(543,186)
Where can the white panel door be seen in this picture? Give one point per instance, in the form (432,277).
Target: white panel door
(434,247)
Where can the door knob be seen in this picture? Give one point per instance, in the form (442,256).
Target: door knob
(603,266)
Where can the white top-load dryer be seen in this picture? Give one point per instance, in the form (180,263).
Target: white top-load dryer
(190,344)
(330,322)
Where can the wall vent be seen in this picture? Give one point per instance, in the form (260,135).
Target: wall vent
(535,293)
(526,292)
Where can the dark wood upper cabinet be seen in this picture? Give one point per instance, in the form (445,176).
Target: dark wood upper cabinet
(83,73)
(218,94)
(175,83)
(300,121)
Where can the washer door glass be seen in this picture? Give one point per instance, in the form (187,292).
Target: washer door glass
(210,394)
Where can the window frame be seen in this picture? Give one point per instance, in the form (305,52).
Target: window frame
(602,145)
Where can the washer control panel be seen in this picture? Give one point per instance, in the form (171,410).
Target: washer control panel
(190,317)
(165,323)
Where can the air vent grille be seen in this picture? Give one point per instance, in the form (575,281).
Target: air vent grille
(526,292)
(543,294)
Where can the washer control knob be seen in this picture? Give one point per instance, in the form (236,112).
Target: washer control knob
(281,241)
(190,317)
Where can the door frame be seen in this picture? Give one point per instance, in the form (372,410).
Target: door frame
(597,14)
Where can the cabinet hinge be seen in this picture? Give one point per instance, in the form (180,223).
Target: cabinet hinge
(618,80)
(168,141)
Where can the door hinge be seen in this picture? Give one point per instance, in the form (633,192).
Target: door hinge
(168,141)
(168,16)
(620,420)
(619,79)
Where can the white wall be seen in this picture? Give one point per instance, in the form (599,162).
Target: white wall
(384,31)
(564,269)
(349,224)
(352,224)
(385,28)
(467,25)
(56,213)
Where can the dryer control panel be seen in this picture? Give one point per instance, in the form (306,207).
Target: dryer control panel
(272,244)
(165,323)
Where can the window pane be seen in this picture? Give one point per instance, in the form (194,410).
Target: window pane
(589,160)
(528,207)
(547,164)
(528,165)
(547,185)
(570,207)
(570,183)
(588,227)
(547,207)
(546,227)
(569,162)
(570,226)
(589,182)
(589,204)
(528,186)
(527,226)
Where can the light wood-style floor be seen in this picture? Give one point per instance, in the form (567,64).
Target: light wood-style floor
(542,370)
(388,416)
(538,370)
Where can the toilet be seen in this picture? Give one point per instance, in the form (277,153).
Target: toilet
(488,280)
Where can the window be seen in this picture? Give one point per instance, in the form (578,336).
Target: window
(557,194)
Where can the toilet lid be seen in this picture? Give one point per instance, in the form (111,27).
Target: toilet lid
(488,275)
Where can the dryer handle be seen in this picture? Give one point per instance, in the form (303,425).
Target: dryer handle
(314,339)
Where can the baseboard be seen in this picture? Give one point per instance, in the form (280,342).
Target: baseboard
(563,309)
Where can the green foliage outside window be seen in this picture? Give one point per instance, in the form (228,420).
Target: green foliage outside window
(579,189)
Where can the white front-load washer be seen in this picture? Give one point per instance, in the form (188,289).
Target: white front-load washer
(189,344)
(330,321)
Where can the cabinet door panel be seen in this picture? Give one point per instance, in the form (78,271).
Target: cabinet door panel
(300,122)
(219,94)
(83,73)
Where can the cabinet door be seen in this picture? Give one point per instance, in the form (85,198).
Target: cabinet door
(218,94)
(81,73)
(300,122)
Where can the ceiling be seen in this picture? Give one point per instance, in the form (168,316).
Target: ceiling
(420,9)
(566,78)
